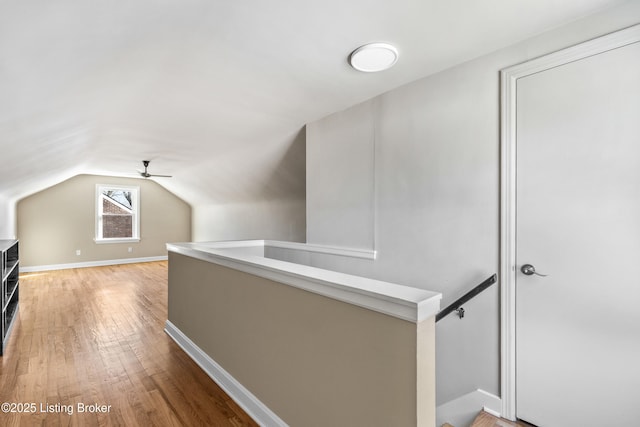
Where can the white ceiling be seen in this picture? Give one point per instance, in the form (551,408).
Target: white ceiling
(214,92)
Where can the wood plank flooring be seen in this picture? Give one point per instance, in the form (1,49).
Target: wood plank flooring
(95,336)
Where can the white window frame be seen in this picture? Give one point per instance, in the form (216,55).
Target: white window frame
(135,201)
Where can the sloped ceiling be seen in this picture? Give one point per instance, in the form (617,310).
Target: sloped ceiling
(217,92)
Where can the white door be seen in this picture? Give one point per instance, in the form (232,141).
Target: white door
(578,222)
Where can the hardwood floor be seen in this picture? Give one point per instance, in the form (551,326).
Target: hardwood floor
(95,336)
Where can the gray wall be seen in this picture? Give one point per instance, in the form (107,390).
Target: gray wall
(55,222)
(414,174)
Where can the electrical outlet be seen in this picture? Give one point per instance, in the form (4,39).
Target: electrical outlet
(130,249)
(78,252)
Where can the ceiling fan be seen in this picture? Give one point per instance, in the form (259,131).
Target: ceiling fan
(146,174)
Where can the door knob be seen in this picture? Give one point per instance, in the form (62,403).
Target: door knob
(530,270)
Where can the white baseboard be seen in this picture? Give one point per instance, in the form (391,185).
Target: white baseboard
(31,269)
(462,411)
(243,397)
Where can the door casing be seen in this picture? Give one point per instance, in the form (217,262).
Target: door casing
(508,94)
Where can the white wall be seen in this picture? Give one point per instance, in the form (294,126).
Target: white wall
(342,156)
(429,152)
(276,220)
(271,206)
(7,219)
(436,210)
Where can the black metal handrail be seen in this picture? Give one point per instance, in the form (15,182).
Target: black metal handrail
(457,304)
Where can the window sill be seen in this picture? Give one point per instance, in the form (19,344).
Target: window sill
(123,240)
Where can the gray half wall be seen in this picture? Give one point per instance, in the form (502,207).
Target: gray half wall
(312,360)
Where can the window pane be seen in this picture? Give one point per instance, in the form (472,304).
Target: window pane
(120,198)
(117,214)
(117,226)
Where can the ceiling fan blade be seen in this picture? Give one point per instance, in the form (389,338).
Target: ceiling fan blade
(162,176)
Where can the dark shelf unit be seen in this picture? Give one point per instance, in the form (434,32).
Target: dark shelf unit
(10,292)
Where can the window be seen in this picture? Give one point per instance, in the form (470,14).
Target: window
(117,214)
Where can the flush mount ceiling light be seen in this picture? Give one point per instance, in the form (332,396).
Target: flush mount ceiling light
(373,57)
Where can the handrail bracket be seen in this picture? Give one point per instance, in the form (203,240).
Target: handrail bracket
(457,304)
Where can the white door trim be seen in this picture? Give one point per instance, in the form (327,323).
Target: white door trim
(508,79)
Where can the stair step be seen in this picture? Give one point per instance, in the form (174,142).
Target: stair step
(485,419)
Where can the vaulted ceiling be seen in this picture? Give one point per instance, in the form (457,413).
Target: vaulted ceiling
(215,92)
